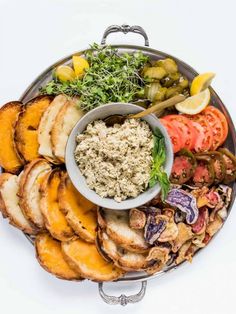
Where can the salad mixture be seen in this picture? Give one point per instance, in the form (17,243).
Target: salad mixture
(116,161)
(73,238)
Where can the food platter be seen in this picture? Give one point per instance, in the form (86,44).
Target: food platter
(189,73)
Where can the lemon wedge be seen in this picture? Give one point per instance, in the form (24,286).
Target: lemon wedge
(194,104)
(64,73)
(201,82)
(79,65)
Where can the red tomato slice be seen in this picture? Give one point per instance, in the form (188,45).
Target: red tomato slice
(222,119)
(201,175)
(216,127)
(173,134)
(203,142)
(185,127)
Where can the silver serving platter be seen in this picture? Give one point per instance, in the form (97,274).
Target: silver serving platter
(186,70)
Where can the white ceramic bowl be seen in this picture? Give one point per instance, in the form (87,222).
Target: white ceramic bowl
(79,180)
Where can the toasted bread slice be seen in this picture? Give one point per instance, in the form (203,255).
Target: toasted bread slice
(26,133)
(29,194)
(9,157)
(65,120)
(116,224)
(55,220)
(10,203)
(84,258)
(131,261)
(45,127)
(3,178)
(50,257)
(80,213)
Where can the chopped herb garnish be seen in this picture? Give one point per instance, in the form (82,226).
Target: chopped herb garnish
(111,77)
(159,158)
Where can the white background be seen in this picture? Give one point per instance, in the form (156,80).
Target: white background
(33,35)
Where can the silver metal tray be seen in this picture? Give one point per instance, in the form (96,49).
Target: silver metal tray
(190,73)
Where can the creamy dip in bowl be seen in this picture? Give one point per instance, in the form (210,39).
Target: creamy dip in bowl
(111,166)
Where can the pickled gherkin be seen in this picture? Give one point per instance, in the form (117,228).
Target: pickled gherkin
(168,64)
(170,79)
(164,81)
(156,73)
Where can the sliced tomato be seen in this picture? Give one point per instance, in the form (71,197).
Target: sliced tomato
(174,135)
(186,129)
(216,127)
(204,174)
(203,141)
(222,119)
(201,175)
(182,169)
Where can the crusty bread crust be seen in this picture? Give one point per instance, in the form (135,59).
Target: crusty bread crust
(65,120)
(80,213)
(45,128)
(89,264)
(26,130)
(152,261)
(29,185)
(10,159)
(127,260)
(10,203)
(3,178)
(116,225)
(50,257)
(55,220)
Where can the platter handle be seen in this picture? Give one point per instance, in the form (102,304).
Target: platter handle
(122,299)
(125,29)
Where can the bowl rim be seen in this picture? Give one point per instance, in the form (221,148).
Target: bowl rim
(79,180)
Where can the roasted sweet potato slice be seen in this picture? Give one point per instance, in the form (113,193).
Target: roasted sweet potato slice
(45,127)
(84,258)
(26,133)
(9,203)
(80,213)
(55,220)
(29,194)
(65,120)
(9,157)
(50,257)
